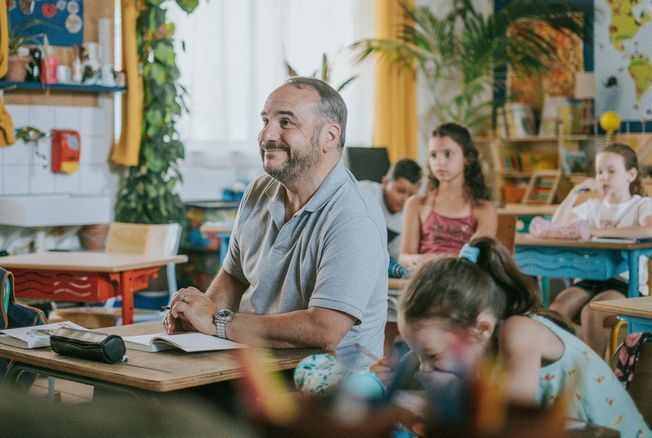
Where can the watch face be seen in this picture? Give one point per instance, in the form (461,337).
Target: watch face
(223,313)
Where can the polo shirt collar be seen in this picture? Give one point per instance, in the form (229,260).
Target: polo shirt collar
(328,187)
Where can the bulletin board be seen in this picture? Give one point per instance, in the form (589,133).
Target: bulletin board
(63,19)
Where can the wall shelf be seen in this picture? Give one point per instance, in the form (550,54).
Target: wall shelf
(78,88)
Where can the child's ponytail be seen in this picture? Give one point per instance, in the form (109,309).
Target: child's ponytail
(457,290)
(484,277)
(521,292)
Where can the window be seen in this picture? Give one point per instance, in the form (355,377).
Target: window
(235,56)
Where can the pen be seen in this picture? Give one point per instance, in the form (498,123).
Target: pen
(165,307)
(366,352)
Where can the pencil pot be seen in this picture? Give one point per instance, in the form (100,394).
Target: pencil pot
(88,345)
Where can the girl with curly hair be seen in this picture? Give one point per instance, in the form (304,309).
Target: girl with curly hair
(457,205)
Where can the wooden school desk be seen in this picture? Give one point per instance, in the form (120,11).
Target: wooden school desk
(636,311)
(524,213)
(144,373)
(558,258)
(85,276)
(528,210)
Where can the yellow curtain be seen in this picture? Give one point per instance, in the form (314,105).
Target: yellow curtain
(126,151)
(395,113)
(4,39)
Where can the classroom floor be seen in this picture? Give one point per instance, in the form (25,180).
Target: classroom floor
(65,391)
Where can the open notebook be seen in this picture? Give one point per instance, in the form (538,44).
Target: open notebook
(36,336)
(189,342)
(608,239)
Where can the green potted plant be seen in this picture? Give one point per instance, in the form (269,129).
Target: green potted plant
(461,55)
(148,192)
(18,52)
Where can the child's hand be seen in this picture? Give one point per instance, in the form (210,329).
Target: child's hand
(383,369)
(437,378)
(588,185)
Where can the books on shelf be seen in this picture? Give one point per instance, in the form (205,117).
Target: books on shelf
(511,162)
(520,120)
(573,161)
(571,116)
(188,342)
(36,336)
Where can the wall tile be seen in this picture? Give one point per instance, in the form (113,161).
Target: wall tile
(96,179)
(19,114)
(66,183)
(15,180)
(44,149)
(43,117)
(41,180)
(68,117)
(95,150)
(18,153)
(95,122)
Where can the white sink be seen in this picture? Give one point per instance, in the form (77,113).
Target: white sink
(55,210)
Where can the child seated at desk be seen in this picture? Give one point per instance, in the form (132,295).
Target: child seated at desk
(457,205)
(621,209)
(457,310)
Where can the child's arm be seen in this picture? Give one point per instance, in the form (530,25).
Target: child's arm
(521,355)
(411,234)
(564,214)
(643,231)
(486,219)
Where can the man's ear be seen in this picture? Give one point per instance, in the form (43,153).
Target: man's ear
(330,137)
(485,325)
(385,182)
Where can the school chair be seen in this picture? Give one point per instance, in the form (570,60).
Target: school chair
(146,239)
(367,163)
(506,231)
(143,239)
(616,331)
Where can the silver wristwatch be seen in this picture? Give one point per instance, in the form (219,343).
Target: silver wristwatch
(221,318)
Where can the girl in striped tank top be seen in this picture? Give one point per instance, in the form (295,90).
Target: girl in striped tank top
(457,205)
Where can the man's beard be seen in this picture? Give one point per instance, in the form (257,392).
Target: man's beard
(296,167)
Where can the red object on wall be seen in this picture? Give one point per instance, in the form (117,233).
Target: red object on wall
(49,11)
(66,146)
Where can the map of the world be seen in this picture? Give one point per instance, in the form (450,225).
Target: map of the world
(623,57)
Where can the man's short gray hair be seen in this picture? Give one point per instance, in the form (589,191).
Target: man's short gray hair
(333,108)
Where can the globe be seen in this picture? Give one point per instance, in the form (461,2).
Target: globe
(610,121)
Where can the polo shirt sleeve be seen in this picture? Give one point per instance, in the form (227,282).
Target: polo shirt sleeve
(233,260)
(352,268)
(232,264)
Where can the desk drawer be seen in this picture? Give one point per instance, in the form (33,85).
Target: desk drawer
(63,286)
(591,264)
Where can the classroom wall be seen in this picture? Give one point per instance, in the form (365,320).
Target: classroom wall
(22,172)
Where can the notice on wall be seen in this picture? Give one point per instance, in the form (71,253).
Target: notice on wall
(61,20)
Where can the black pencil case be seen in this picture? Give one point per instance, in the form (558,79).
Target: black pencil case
(88,345)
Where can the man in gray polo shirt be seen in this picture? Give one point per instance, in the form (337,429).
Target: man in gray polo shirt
(307,261)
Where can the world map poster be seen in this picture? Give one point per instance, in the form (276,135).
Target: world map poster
(623,58)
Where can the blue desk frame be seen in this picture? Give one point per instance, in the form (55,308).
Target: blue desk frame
(576,259)
(637,312)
